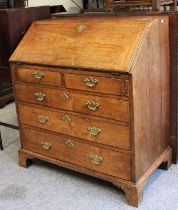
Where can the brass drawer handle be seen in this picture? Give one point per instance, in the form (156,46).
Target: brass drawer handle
(92,105)
(94,131)
(96,159)
(81,27)
(38,75)
(69,143)
(42,119)
(40,96)
(90,82)
(64,96)
(46,145)
(66,118)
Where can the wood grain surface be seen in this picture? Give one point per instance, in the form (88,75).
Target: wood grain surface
(106,85)
(108,107)
(112,134)
(48,78)
(128,134)
(101,45)
(151,100)
(78,154)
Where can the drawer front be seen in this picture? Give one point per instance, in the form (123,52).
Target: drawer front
(87,104)
(39,77)
(71,124)
(96,84)
(76,152)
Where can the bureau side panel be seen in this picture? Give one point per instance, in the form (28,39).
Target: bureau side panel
(151,99)
(165,79)
(141,109)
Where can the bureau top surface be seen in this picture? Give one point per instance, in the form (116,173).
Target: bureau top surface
(93,43)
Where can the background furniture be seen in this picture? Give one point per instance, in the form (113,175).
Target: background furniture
(13,25)
(155,4)
(20,3)
(93,5)
(173,28)
(127,5)
(3,4)
(57,9)
(78,112)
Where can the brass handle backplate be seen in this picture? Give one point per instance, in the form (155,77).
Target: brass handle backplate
(96,159)
(46,145)
(94,131)
(90,82)
(40,96)
(92,105)
(64,96)
(81,27)
(42,119)
(38,75)
(66,118)
(69,143)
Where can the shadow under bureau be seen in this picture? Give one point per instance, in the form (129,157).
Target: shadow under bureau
(92,95)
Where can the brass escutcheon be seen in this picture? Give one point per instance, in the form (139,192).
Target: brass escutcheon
(92,105)
(40,96)
(69,143)
(81,27)
(96,159)
(46,145)
(66,118)
(90,82)
(42,119)
(38,75)
(94,131)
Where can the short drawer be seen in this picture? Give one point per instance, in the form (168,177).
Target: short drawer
(39,77)
(108,85)
(77,152)
(111,108)
(80,126)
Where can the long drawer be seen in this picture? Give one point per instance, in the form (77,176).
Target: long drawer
(76,152)
(84,127)
(112,108)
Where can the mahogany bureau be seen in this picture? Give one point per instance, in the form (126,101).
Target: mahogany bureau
(92,95)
